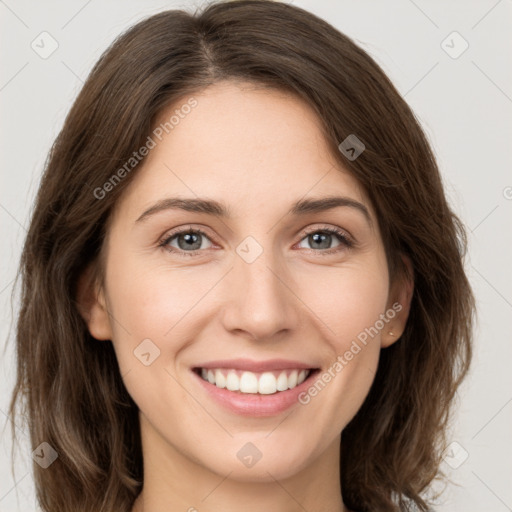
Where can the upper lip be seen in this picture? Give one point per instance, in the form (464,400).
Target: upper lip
(256,366)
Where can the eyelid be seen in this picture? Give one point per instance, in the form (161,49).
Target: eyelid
(163,240)
(346,238)
(331,229)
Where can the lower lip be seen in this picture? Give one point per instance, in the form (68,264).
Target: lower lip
(251,404)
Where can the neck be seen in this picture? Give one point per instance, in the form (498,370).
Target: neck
(172,481)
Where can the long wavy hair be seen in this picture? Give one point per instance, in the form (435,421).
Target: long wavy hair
(68,388)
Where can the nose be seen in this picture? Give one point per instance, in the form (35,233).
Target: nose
(261,302)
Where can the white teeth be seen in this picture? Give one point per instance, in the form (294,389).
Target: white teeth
(292,379)
(265,383)
(282,382)
(220,380)
(248,383)
(233,382)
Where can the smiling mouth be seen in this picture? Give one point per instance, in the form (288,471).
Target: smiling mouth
(262,383)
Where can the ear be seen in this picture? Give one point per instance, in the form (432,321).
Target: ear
(399,301)
(92,305)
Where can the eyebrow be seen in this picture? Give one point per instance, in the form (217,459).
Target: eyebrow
(218,209)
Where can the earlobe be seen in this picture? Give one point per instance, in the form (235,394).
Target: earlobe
(92,305)
(399,302)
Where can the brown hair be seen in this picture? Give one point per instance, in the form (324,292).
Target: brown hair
(69,388)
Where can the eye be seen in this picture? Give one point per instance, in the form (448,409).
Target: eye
(189,241)
(322,238)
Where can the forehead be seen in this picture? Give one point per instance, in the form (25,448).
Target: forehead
(246,145)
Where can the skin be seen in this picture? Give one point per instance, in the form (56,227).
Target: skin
(258,151)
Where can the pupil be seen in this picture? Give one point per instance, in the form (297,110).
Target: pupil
(190,239)
(321,238)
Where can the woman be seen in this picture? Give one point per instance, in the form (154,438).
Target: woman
(242,285)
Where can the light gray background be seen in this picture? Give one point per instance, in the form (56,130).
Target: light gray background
(464,104)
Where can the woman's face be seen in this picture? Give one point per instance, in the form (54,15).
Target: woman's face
(261,289)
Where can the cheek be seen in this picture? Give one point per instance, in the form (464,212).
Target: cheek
(349,303)
(151,301)
(157,311)
(347,299)
(151,315)
(350,385)
(360,305)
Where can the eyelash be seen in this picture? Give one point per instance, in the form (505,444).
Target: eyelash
(345,241)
